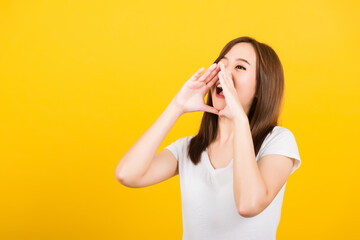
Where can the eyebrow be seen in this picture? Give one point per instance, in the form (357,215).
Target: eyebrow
(241,59)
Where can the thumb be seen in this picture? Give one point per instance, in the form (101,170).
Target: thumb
(222,112)
(210,109)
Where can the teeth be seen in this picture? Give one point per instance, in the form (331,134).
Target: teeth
(219,86)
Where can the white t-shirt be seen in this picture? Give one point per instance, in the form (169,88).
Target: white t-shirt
(208,205)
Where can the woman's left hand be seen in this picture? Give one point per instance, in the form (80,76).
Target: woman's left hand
(233,108)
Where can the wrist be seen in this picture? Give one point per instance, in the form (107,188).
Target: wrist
(240,119)
(175,108)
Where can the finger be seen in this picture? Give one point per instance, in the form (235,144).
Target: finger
(207,72)
(226,75)
(230,78)
(222,71)
(225,80)
(210,83)
(221,113)
(222,79)
(224,83)
(213,74)
(207,108)
(222,66)
(197,74)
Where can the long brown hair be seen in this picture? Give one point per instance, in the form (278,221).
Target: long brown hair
(265,108)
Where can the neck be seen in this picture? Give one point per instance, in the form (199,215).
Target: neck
(225,131)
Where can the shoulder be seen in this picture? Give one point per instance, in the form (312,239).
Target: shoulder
(277,130)
(179,146)
(277,133)
(280,139)
(180,143)
(184,141)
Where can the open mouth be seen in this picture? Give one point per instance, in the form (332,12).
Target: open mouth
(219,90)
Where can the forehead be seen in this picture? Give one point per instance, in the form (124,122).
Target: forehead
(242,50)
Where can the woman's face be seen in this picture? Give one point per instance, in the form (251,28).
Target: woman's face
(243,74)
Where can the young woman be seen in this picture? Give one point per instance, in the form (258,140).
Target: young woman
(233,172)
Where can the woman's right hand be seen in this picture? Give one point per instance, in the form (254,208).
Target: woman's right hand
(190,98)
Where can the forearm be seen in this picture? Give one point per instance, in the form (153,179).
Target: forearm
(137,159)
(249,186)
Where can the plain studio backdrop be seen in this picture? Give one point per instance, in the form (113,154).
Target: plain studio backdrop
(81,81)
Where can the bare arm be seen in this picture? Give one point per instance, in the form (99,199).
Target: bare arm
(141,166)
(137,159)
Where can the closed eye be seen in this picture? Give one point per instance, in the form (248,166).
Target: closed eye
(241,66)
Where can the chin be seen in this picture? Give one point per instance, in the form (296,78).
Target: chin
(217,105)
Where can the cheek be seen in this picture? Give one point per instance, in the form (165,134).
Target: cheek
(245,81)
(244,87)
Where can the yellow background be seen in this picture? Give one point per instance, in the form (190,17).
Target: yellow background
(81,81)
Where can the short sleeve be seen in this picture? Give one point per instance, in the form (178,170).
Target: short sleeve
(281,141)
(176,147)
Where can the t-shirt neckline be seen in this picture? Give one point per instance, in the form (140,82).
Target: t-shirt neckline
(210,166)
